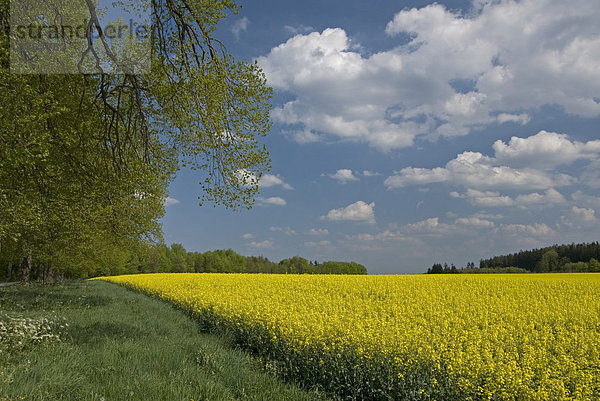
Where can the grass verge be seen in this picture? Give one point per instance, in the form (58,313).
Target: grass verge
(99,341)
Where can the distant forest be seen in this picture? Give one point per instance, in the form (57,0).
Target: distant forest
(556,258)
(161,258)
(176,259)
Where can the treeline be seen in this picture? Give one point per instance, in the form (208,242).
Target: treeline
(570,258)
(175,259)
(471,269)
(553,258)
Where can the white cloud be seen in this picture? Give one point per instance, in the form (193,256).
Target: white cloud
(368,173)
(247,236)
(579,218)
(270,180)
(312,244)
(428,226)
(432,227)
(303,136)
(240,26)
(381,241)
(417,176)
(275,200)
(488,216)
(474,222)
(591,175)
(318,231)
(326,76)
(493,199)
(549,198)
(510,57)
(583,199)
(522,118)
(383,236)
(474,170)
(284,230)
(358,211)
(525,163)
(343,176)
(261,245)
(170,201)
(484,199)
(536,230)
(296,29)
(585,214)
(545,150)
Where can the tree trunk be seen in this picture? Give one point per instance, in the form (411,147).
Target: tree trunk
(9,271)
(26,268)
(46,273)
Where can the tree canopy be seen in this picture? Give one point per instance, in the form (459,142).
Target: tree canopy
(86,158)
(556,258)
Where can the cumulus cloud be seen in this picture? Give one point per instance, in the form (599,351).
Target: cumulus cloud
(343,176)
(466,226)
(270,180)
(545,150)
(500,61)
(535,230)
(586,200)
(523,163)
(428,226)
(579,218)
(475,222)
(358,211)
(321,244)
(296,29)
(383,236)
(275,200)
(488,216)
(240,26)
(247,236)
(522,118)
(170,201)
(550,197)
(484,198)
(431,227)
(439,236)
(284,230)
(584,214)
(318,231)
(417,176)
(261,245)
(303,136)
(474,170)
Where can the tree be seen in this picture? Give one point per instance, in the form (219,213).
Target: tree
(550,262)
(436,269)
(594,265)
(179,258)
(85,159)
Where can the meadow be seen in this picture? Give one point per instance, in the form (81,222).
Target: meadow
(430,337)
(95,341)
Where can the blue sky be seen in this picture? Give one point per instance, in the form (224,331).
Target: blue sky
(408,132)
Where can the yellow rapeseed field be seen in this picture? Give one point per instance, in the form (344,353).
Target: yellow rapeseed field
(442,337)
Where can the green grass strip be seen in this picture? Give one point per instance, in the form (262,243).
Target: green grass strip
(99,341)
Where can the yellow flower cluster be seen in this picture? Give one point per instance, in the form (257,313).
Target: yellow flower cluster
(523,337)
